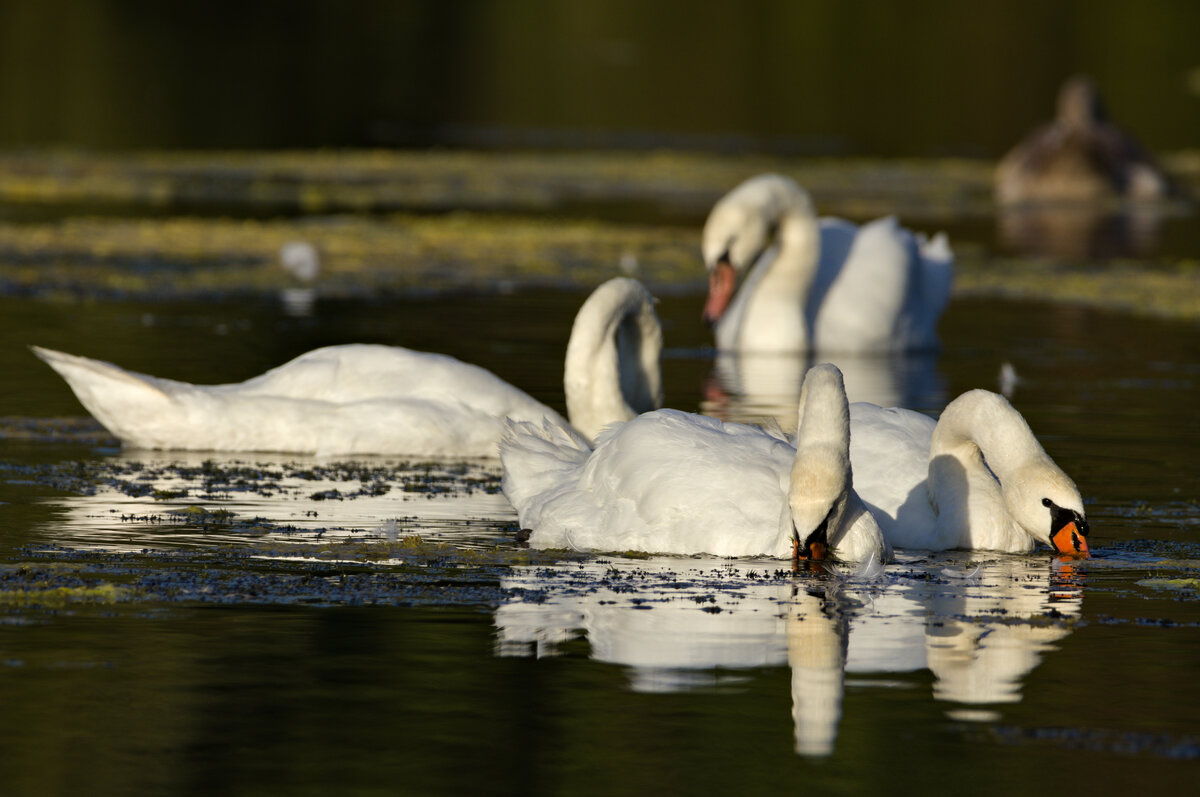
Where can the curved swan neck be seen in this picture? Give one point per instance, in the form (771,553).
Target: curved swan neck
(612,371)
(983,421)
(988,477)
(767,221)
(788,209)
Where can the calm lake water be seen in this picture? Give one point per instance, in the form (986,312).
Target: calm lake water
(296,647)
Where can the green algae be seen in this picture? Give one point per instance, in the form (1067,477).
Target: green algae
(1189,586)
(60,597)
(404,222)
(57,585)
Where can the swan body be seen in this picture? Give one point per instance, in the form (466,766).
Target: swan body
(674,482)
(976,478)
(825,285)
(370,399)
(1081,156)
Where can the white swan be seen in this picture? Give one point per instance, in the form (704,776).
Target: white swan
(827,286)
(977,478)
(370,399)
(673,482)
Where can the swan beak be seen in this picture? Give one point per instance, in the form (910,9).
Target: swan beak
(1070,541)
(814,549)
(722,281)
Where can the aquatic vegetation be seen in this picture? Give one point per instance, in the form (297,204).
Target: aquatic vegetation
(54,585)
(530,219)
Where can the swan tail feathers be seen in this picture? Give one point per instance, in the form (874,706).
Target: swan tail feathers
(537,461)
(937,259)
(117,398)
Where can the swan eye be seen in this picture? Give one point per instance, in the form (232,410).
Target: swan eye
(1047,502)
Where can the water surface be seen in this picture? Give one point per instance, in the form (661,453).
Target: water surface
(300,644)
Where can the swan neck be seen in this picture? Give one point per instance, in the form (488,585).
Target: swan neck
(612,371)
(799,249)
(820,478)
(985,422)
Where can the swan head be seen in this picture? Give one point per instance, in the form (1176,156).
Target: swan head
(740,228)
(1047,504)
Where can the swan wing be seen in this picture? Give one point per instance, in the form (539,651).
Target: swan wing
(889,455)
(670,482)
(879,287)
(362,372)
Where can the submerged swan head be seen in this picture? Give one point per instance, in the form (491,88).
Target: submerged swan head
(827,514)
(742,225)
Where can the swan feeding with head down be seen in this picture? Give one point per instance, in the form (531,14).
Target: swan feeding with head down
(825,285)
(674,482)
(977,478)
(371,399)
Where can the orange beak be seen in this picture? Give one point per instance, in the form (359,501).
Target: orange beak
(721,284)
(812,551)
(1068,541)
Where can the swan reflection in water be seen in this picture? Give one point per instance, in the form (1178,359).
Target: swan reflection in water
(752,387)
(677,627)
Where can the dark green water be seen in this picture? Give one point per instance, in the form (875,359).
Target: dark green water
(812,77)
(227,672)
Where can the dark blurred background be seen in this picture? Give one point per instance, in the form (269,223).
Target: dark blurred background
(809,77)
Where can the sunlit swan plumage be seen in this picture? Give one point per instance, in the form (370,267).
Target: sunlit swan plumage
(370,399)
(1080,156)
(673,482)
(828,286)
(975,478)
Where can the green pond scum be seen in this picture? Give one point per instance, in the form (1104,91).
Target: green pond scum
(389,223)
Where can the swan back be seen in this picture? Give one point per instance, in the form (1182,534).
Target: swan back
(990,475)
(612,371)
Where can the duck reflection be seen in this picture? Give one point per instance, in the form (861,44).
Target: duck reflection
(752,387)
(979,633)
(1080,231)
